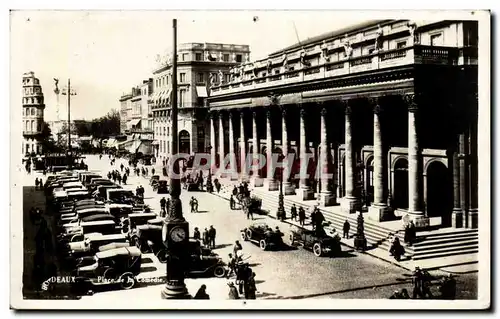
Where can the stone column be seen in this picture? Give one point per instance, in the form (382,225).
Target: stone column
(256,180)
(271,182)
(378,210)
(221,143)
(305,192)
(462,157)
(457,219)
(349,203)
(232,154)
(213,144)
(473,162)
(326,196)
(243,152)
(414,191)
(288,188)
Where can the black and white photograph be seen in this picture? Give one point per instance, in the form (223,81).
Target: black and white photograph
(249,159)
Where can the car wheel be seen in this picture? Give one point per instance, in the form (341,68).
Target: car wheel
(244,236)
(162,256)
(262,244)
(127,280)
(249,234)
(219,271)
(317,250)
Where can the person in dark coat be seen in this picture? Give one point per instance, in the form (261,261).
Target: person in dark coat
(206,239)
(346,228)
(211,237)
(235,191)
(318,218)
(302,216)
(196,234)
(233,292)
(293,213)
(202,293)
(163,203)
(251,288)
(448,287)
(125,179)
(231,202)
(152,171)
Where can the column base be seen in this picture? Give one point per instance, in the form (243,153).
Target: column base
(326,199)
(419,219)
(174,290)
(350,205)
(457,219)
(305,193)
(272,185)
(288,188)
(380,213)
(472,219)
(257,182)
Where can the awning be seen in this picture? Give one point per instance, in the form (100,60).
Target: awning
(155,142)
(201,91)
(135,122)
(166,95)
(135,146)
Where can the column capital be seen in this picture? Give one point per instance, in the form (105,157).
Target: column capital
(411,102)
(347,108)
(213,115)
(283,111)
(221,115)
(302,112)
(230,115)
(254,114)
(323,112)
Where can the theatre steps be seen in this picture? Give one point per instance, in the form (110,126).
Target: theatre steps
(449,242)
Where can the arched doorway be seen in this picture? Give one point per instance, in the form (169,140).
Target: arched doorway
(439,192)
(400,185)
(184,142)
(369,181)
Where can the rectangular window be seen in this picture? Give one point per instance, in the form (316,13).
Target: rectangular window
(437,39)
(164,130)
(227,78)
(167,79)
(182,77)
(199,57)
(168,131)
(225,57)
(182,95)
(168,148)
(184,57)
(200,78)
(239,58)
(401,45)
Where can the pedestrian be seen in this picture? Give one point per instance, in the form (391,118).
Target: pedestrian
(152,171)
(168,206)
(194,205)
(36,183)
(119,177)
(249,210)
(293,213)
(202,293)
(251,288)
(211,236)
(236,248)
(241,272)
(302,216)
(196,234)
(448,287)
(121,167)
(231,202)
(125,179)
(205,237)
(421,281)
(231,265)
(109,175)
(235,191)
(233,292)
(413,233)
(346,228)
(163,203)
(319,218)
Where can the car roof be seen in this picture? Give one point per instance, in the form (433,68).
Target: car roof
(122,251)
(113,246)
(99,236)
(142,214)
(259,225)
(99,222)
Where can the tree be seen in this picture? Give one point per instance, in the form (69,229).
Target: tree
(47,141)
(106,126)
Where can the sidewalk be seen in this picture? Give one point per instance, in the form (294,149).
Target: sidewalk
(453,264)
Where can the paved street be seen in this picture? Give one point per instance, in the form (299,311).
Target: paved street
(286,274)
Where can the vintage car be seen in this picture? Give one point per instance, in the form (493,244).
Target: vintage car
(91,244)
(117,267)
(263,235)
(129,224)
(161,186)
(76,222)
(204,262)
(119,211)
(148,238)
(82,211)
(318,241)
(154,179)
(105,227)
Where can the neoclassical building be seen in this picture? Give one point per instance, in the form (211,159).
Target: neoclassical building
(33,109)
(389,108)
(198,66)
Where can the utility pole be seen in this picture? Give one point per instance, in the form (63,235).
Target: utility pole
(175,231)
(69,93)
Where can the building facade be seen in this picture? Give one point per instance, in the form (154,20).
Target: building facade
(125,114)
(33,112)
(199,64)
(389,108)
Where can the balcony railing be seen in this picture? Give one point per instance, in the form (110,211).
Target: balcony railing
(417,54)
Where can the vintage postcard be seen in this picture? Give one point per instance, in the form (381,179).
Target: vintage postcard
(261,160)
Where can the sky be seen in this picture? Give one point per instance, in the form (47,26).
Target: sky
(106,53)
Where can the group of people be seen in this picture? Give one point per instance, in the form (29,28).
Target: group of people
(245,279)
(139,191)
(116,176)
(422,282)
(38,183)
(207,238)
(164,207)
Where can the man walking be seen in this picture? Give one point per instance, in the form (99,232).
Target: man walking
(163,203)
(302,216)
(211,237)
(346,228)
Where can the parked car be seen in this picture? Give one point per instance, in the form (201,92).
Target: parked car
(204,262)
(318,241)
(148,238)
(263,235)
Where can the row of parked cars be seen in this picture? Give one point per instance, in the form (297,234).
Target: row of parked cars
(103,230)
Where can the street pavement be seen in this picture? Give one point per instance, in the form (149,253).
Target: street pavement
(286,274)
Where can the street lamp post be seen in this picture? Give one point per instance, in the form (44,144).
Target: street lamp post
(281,203)
(209,178)
(69,93)
(175,231)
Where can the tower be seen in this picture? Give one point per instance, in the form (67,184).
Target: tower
(33,108)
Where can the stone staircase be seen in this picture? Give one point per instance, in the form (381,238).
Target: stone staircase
(429,244)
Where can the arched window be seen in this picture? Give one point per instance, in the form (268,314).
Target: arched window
(32,126)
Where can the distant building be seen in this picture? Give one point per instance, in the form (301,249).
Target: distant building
(33,108)
(199,64)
